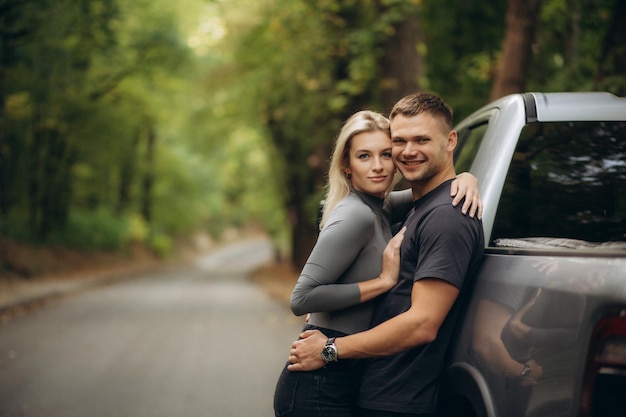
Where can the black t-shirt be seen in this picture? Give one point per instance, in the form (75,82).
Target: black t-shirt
(440,242)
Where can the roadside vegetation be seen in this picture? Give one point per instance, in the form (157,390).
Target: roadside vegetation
(128,124)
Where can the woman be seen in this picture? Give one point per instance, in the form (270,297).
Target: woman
(354,260)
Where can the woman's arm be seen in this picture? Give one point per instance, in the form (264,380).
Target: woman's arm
(337,247)
(464,188)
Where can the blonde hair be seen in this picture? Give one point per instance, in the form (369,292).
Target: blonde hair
(339,184)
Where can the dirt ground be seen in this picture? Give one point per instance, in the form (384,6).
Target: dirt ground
(26,262)
(277,279)
(23,267)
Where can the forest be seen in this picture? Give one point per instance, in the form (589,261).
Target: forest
(151,121)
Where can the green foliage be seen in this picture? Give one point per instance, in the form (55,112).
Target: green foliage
(137,228)
(463,41)
(161,243)
(570,44)
(151,119)
(188,190)
(92,230)
(306,67)
(462,44)
(114,74)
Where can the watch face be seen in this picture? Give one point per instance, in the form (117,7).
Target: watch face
(329,353)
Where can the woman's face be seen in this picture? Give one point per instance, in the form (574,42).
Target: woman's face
(370,163)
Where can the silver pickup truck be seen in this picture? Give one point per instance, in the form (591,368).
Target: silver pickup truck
(544,329)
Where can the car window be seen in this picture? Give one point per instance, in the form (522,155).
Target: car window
(566,187)
(468,143)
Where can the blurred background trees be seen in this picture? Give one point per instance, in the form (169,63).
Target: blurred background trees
(148,121)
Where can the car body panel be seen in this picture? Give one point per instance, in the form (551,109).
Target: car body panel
(556,294)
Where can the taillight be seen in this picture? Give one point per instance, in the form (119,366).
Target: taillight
(604,386)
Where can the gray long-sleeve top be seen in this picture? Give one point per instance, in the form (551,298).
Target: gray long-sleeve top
(348,250)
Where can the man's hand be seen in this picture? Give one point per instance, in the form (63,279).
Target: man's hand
(305,354)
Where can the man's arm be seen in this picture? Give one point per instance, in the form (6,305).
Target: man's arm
(431,300)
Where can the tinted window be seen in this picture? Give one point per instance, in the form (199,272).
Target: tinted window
(566,180)
(467,147)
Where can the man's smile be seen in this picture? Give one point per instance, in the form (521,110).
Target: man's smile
(413,163)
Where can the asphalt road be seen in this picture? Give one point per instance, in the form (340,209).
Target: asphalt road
(198,340)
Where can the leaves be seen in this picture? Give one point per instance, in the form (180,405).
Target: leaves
(243,99)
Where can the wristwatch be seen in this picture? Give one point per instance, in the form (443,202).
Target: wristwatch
(525,371)
(329,352)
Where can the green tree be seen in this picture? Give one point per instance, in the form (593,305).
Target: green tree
(521,21)
(462,41)
(81,90)
(612,61)
(158,118)
(576,48)
(310,65)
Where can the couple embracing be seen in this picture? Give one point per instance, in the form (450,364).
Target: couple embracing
(382,307)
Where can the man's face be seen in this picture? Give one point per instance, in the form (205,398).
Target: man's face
(421,146)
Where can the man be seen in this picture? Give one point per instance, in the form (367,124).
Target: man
(441,250)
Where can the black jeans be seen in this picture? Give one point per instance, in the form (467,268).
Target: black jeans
(327,392)
(362,412)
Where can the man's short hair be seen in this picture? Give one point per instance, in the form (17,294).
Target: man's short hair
(417,103)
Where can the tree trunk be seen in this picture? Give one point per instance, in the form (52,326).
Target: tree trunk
(34,165)
(6,50)
(303,237)
(50,185)
(300,183)
(521,21)
(56,184)
(127,175)
(4,177)
(148,177)
(401,65)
